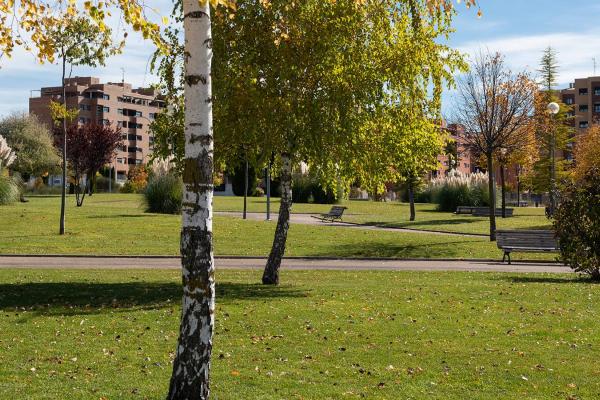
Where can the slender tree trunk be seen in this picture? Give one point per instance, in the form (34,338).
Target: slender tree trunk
(492,190)
(518,187)
(63,193)
(245,187)
(503,191)
(271,273)
(191,369)
(411,200)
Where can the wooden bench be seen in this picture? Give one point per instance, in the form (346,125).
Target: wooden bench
(464,210)
(334,214)
(485,212)
(534,241)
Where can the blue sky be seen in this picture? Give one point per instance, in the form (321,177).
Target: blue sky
(520,29)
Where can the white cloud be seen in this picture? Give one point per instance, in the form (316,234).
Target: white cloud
(22,73)
(575,52)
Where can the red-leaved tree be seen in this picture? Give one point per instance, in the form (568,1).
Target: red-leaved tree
(89,148)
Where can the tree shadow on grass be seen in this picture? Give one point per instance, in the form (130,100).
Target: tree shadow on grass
(73,298)
(416,224)
(388,250)
(145,215)
(550,279)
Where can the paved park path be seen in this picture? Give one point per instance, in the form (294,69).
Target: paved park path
(308,219)
(82,262)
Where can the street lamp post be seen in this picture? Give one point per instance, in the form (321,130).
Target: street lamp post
(553,108)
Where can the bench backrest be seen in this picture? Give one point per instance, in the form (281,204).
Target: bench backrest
(464,209)
(337,211)
(526,238)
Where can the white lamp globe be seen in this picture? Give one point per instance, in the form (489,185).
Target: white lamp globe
(553,108)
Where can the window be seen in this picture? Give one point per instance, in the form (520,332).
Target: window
(569,100)
(583,91)
(597,107)
(132,149)
(138,162)
(120,111)
(84,107)
(138,113)
(583,124)
(597,91)
(119,124)
(131,137)
(138,137)
(124,136)
(82,120)
(105,96)
(131,160)
(120,160)
(583,107)
(103,122)
(152,115)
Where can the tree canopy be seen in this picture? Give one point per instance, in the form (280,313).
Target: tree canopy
(32,140)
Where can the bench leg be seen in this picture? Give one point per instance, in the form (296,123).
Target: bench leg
(503,257)
(509,261)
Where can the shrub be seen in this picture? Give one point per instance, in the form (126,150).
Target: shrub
(137,179)
(322,195)
(577,224)
(102,184)
(301,189)
(458,189)
(237,180)
(163,194)
(9,190)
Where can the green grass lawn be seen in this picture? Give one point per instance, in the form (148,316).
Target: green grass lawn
(396,214)
(117,224)
(320,335)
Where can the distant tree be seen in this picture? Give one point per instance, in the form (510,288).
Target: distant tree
(587,152)
(34,143)
(548,70)
(76,40)
(552,132)
(494,106)
(90,147)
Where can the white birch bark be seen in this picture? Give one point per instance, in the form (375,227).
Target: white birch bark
(191,368)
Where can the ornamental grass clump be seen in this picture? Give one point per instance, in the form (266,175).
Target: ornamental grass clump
(577,224)
(458,189)
(163,194)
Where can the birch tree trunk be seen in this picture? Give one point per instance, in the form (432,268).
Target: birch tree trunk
(191,368)
(271,273)
(491,188)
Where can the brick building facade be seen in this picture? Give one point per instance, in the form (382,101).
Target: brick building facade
(116,104)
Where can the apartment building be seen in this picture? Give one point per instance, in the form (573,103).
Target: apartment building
(116,104)
(584,96)
(462,160)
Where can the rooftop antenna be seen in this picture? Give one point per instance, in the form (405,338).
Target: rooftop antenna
(594,60)
(123,76)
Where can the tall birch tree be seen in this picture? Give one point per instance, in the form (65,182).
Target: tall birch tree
(190,378)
